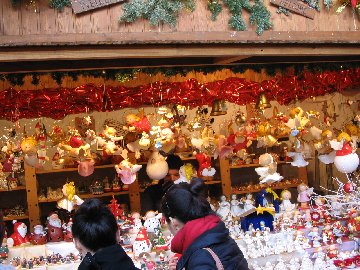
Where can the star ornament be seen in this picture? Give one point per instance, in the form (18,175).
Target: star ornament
(261,210)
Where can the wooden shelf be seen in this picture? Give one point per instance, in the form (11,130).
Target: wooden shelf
(85,196)
(9,218)
(213,182)
(105,194)
(253,165)
(13,189)
(71,169)
(257,190)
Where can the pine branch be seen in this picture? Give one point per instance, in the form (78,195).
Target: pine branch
(215,8)
(260,17)
(59,4)
(237,22)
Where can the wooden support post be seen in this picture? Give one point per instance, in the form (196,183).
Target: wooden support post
(225,177)
(31,195)
(134,194)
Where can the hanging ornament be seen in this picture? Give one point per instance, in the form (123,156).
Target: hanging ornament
(262,102)
(240,118)
(349,187)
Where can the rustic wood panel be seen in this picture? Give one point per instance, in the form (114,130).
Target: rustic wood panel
(10,19)
(22,26)
(47,19)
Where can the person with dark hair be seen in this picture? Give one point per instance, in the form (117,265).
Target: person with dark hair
(152,195)
(95,236)
(199,235)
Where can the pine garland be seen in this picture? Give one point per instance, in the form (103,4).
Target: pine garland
(56,4)
(59,4)
(260,17)
(215,8)
(124,75)
(156,11)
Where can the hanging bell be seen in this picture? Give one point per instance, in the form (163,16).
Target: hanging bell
(262,102)
(218,108)
(240,118)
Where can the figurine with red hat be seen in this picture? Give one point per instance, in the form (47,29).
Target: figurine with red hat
(142,243)
(68,236)
(19,237)
(38,237)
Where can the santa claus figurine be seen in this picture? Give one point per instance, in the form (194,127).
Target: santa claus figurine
(55,232)
(38,237)
(19,237)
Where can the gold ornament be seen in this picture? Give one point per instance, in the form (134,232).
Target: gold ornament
(262,102)
(240,118)
(218,108)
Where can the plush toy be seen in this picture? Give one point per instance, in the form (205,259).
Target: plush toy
(19,237)
(157,167)
(29,148)
(86,167)
(70,199)
(267,171)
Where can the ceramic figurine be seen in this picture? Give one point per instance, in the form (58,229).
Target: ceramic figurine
(55,232)
(224,208)
(236,210)
(142,243)
(115,184)
(19,237)
(286,204)
(136,221)
(68,236)
(107,187)
(152,221)
(97,188)
(38,237)
(70,199)
(249,202)
(304,195)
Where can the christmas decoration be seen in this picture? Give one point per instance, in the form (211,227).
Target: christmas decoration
(163,11)
(157,168)
(56,4)
(115,208)
(19,237)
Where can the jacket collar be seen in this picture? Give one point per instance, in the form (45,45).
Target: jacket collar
(211,237)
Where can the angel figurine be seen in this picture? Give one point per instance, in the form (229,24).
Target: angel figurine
(224,208)
(236,210)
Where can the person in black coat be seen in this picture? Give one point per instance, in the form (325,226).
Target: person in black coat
(95,236)
(199,235)
(152,195)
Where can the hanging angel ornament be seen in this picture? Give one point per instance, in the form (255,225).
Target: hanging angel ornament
(126,170)
(267,171)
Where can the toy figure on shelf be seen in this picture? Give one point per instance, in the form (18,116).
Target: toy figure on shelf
(86,165)
(286,204)
(54,228)
(3,180)
(205,168)
(137,223)
(115,208)
(38,237)
(236,210)
(186,172)
(70,199)
(68,236)
(152,221)
(249,203)
(142,243)
(304,195)
(19,237)
(29,148)
(224,208)
(115,184)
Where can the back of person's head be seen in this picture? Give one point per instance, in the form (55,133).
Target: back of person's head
(174,162)
(94,225)
(185,201)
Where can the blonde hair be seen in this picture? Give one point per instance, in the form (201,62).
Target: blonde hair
(70,190)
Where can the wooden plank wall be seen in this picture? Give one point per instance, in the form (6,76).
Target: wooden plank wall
(23,26)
